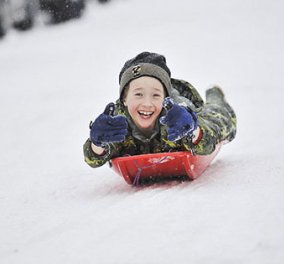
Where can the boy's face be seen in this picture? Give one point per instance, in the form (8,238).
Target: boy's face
(144,100)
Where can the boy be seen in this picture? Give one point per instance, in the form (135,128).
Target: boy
(156,113)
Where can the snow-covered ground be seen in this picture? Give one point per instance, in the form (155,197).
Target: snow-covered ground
(54,80)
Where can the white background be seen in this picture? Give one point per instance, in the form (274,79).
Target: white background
(54,80)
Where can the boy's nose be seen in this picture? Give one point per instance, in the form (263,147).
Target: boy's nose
(147,102)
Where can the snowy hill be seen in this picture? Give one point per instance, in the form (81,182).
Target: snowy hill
(54,80)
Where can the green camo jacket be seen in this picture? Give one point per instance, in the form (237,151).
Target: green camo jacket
(216,120)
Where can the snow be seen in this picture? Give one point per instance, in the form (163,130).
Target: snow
(54,80)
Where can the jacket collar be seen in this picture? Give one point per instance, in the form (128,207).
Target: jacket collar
(136,133)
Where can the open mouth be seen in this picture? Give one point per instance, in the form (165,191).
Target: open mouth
(145,113)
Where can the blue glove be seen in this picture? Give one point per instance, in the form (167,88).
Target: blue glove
(181,121)
(107,128)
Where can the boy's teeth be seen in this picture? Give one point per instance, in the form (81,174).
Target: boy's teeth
(145,113)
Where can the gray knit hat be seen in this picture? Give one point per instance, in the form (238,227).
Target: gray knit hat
(145,64)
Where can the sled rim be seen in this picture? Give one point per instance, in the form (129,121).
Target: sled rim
(169,164)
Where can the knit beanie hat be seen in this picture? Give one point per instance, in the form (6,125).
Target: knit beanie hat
(145,64)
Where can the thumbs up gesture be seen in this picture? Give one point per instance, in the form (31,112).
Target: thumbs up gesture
(180,121)
(108,128)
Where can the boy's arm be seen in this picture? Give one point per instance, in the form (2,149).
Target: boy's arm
(98,150)
(101,131)
(96,160)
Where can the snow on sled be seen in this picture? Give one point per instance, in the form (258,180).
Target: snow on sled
(150,168)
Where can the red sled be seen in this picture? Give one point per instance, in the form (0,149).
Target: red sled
(158,167)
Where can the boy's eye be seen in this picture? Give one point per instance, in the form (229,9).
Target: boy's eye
(157,95)
(138,94)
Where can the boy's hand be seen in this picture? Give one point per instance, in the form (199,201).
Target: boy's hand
(107,128)
(180,121)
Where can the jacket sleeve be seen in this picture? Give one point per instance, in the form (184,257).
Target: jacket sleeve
(217,123)
(94,160)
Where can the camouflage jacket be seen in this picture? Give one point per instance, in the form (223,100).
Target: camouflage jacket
(216,120)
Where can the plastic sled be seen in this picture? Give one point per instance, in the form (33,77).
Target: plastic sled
(150,168)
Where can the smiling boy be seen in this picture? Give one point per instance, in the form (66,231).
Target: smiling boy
(156,113)
(144,101)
